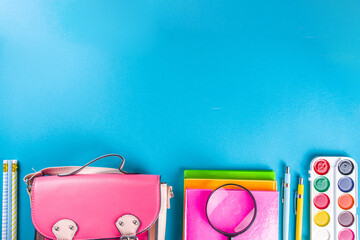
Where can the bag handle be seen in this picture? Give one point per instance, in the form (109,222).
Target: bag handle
(96,159)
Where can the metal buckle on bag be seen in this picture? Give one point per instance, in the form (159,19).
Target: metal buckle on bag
(129,238)
(27,184)
(29,179)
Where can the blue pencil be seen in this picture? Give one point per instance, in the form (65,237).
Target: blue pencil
(5,206)
(9,163)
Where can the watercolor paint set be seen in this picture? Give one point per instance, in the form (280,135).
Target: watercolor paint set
(334,198)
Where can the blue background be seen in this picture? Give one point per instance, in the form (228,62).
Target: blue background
(178,84)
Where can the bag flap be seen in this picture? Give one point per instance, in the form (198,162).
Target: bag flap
(94,203)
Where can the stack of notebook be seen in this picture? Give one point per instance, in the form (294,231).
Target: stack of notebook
(199,184)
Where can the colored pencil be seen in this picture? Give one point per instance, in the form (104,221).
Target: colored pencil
(5,201)
(9,163)
(14,193)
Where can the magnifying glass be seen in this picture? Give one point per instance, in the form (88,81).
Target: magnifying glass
(231,210)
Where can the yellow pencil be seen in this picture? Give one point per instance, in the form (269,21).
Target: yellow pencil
(299,209)
(14,195)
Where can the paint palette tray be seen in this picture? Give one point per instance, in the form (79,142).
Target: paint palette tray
(333,198)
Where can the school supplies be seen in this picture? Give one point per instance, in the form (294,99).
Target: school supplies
(14,194)
(334,198)
(199,184)
(197,226)
(299,197)
(5,206)
(230,174)
(9,168)
(97,203)
(9,211)
(264,185)
(286,203)
(231,211)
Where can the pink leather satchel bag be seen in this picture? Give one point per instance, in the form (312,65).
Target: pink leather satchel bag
(82,203)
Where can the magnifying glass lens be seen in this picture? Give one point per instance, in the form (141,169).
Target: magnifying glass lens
(231,210)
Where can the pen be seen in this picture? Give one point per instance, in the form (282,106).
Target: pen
(299,208)
(286,202)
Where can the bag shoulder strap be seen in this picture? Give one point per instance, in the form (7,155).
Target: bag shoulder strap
(67,171)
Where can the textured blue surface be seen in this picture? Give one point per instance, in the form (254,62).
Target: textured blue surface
(178,84)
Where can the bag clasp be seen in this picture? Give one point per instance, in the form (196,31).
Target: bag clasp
(65,229)
(129,238)
(128,226)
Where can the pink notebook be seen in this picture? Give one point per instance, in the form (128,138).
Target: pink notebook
(142,236)
(197,227)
